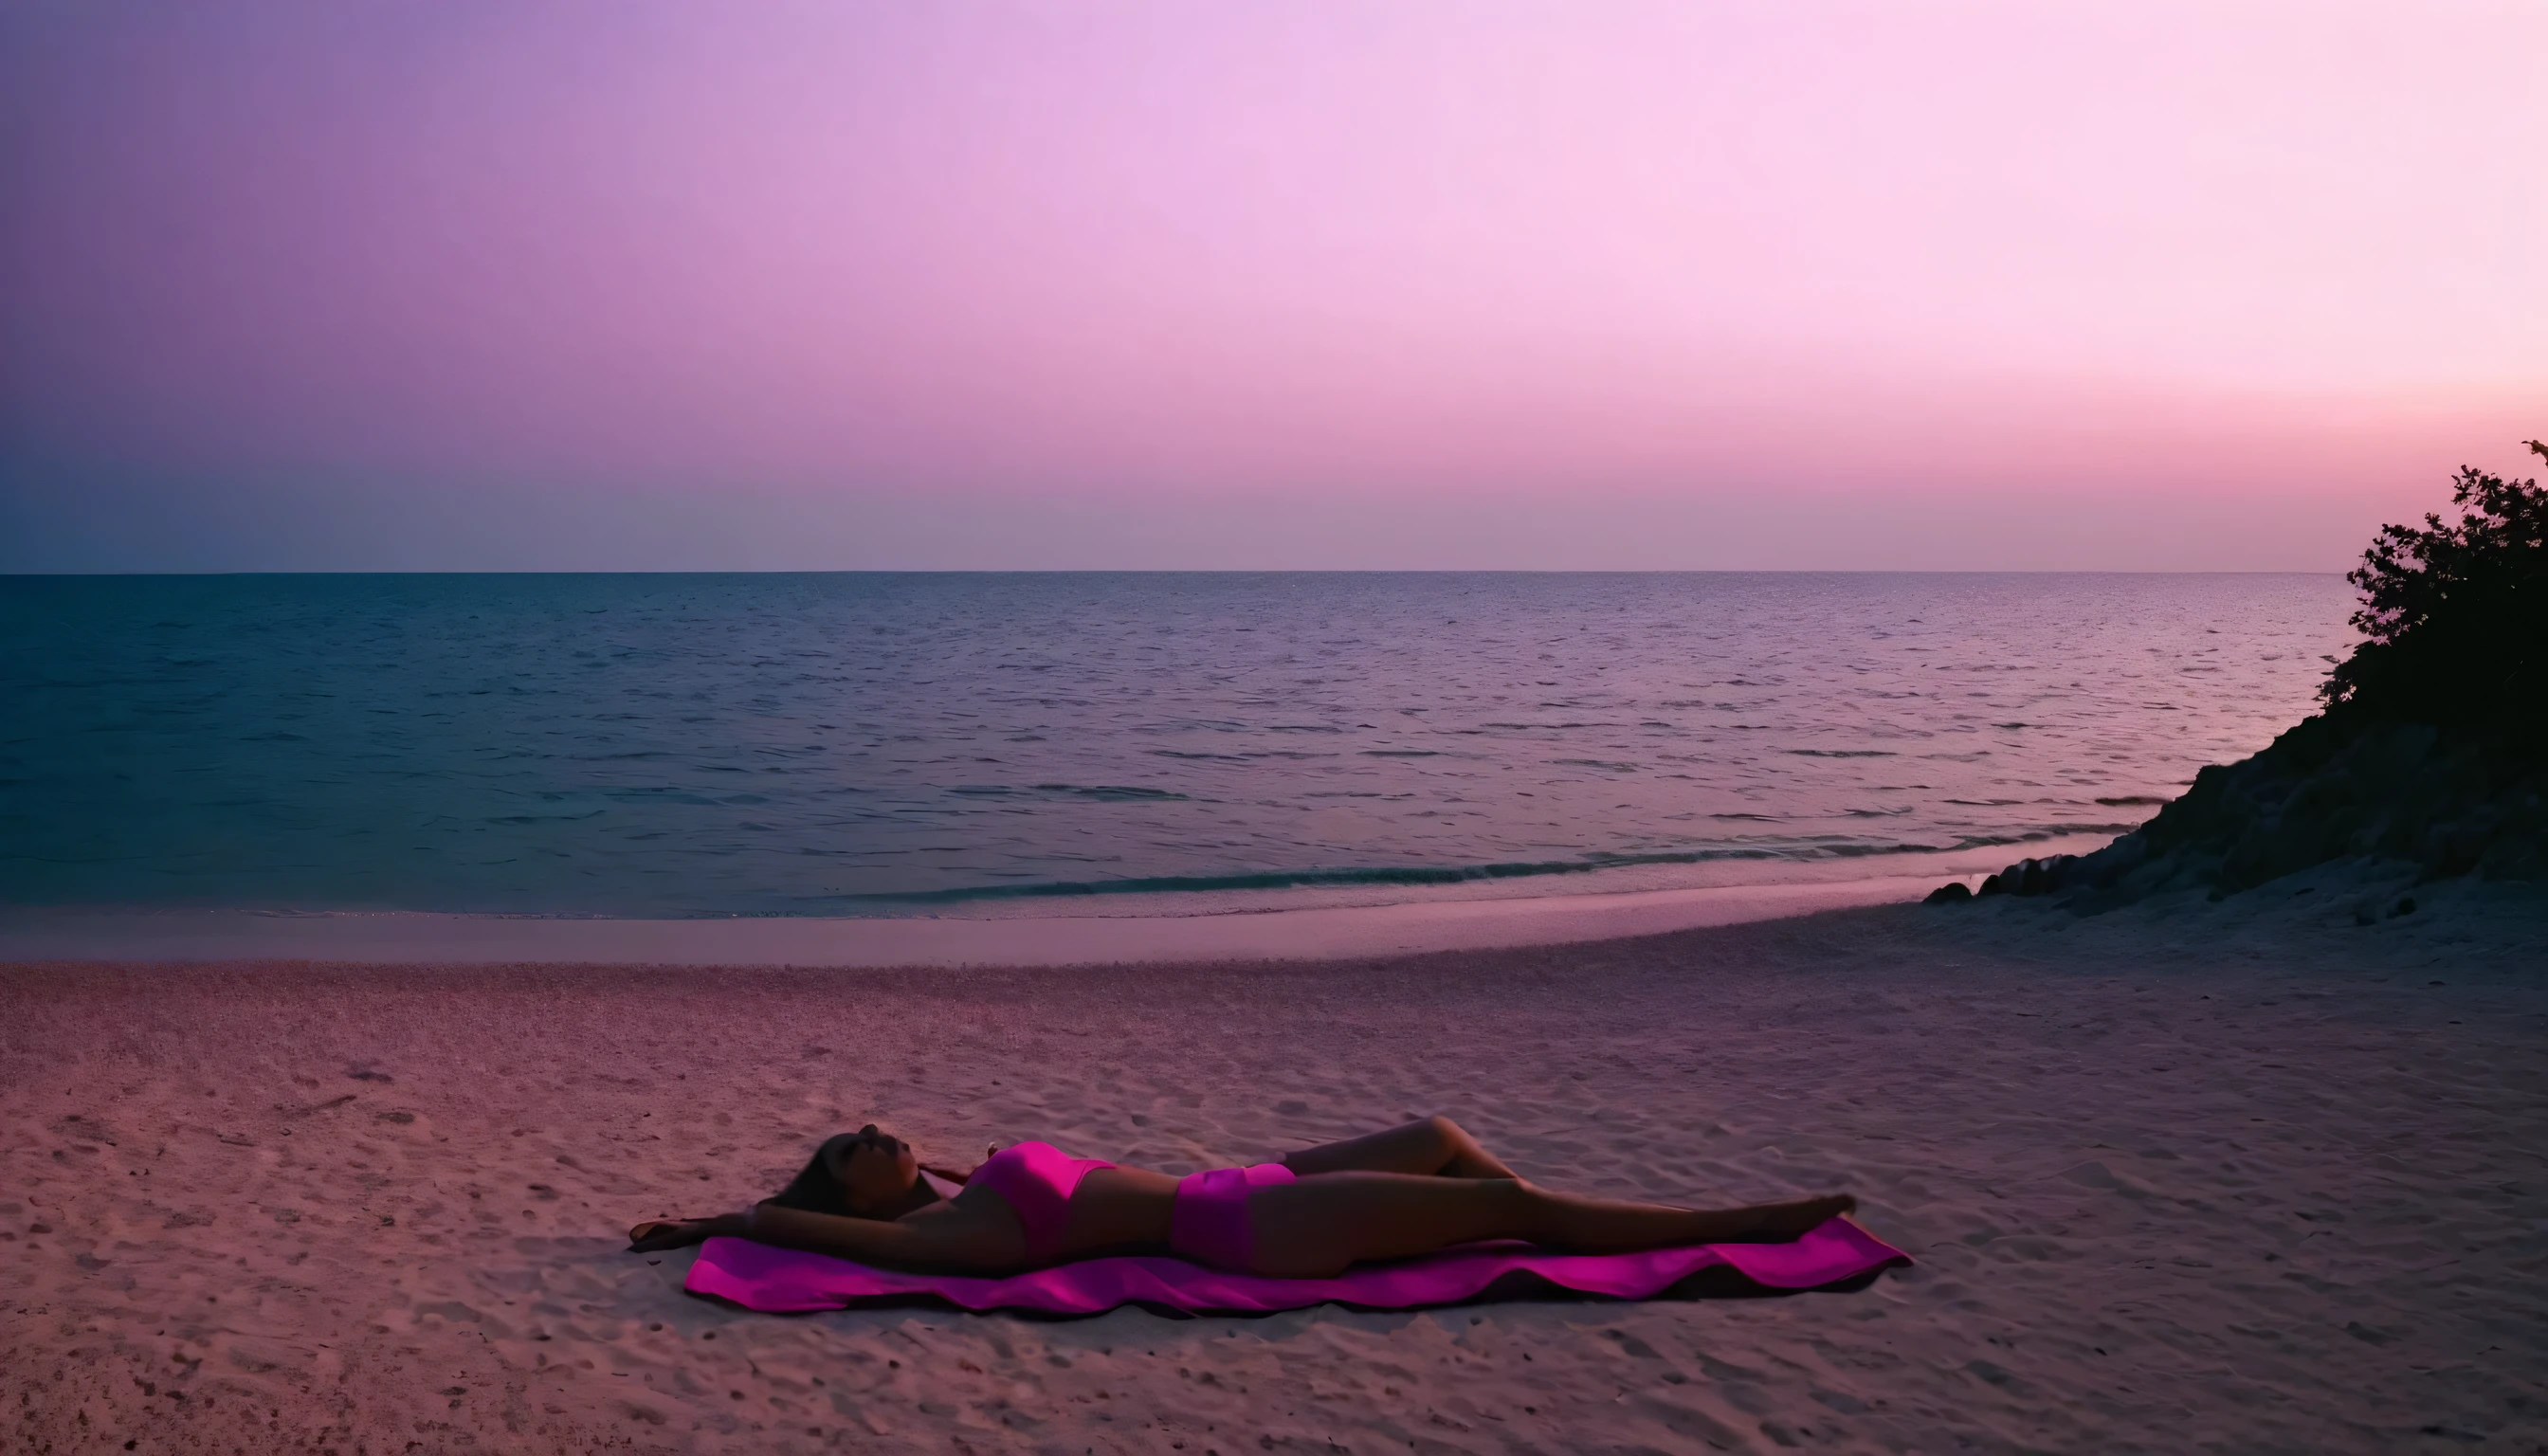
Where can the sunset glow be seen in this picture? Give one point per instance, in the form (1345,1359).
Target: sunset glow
(801,285)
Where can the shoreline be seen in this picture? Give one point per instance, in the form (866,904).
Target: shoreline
(1321,933)
(1257,925)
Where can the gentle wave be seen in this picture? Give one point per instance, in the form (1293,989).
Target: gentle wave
(1280,879)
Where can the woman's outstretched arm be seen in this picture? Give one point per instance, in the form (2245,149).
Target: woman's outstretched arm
(945,1241)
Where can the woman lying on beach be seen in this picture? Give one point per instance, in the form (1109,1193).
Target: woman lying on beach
(1409,1191)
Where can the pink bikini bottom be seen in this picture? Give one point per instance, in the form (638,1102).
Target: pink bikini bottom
(1208,1222)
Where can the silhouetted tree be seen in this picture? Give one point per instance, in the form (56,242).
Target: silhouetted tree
(2455,617)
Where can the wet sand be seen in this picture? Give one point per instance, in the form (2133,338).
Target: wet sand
(1115,934)
(2237,1177)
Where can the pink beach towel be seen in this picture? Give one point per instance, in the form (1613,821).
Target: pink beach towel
(784,1281)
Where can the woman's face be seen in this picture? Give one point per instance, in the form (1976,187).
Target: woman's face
(876,1169)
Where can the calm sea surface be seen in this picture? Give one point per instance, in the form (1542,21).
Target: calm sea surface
(865,744)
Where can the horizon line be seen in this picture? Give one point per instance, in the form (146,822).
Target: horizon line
(1219,572)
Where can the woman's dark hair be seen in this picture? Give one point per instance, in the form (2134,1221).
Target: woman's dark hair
(814,1190)
(817,1191)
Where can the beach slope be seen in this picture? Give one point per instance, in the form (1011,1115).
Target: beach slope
(2245,1176)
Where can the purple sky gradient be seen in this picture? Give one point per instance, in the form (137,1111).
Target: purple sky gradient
(350,286)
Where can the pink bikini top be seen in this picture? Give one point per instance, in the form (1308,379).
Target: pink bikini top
(1037,1180)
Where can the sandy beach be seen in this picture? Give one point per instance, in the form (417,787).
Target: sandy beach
(2236,1177)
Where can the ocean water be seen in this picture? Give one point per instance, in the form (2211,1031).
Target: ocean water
(881,744)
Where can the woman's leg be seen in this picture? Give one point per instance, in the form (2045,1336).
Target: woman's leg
(1435,1146)
(1314,1226)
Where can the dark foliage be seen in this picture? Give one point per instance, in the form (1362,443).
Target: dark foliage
(2455,616)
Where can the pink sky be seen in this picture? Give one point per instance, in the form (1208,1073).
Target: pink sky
(507,284)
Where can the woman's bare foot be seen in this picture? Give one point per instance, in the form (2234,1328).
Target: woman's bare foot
(1777,1223)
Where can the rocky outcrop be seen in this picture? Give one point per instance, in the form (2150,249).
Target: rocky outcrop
(2340,785)
(2025,878)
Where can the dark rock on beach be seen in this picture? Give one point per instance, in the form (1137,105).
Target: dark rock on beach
(2025,878)
(2338,786)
